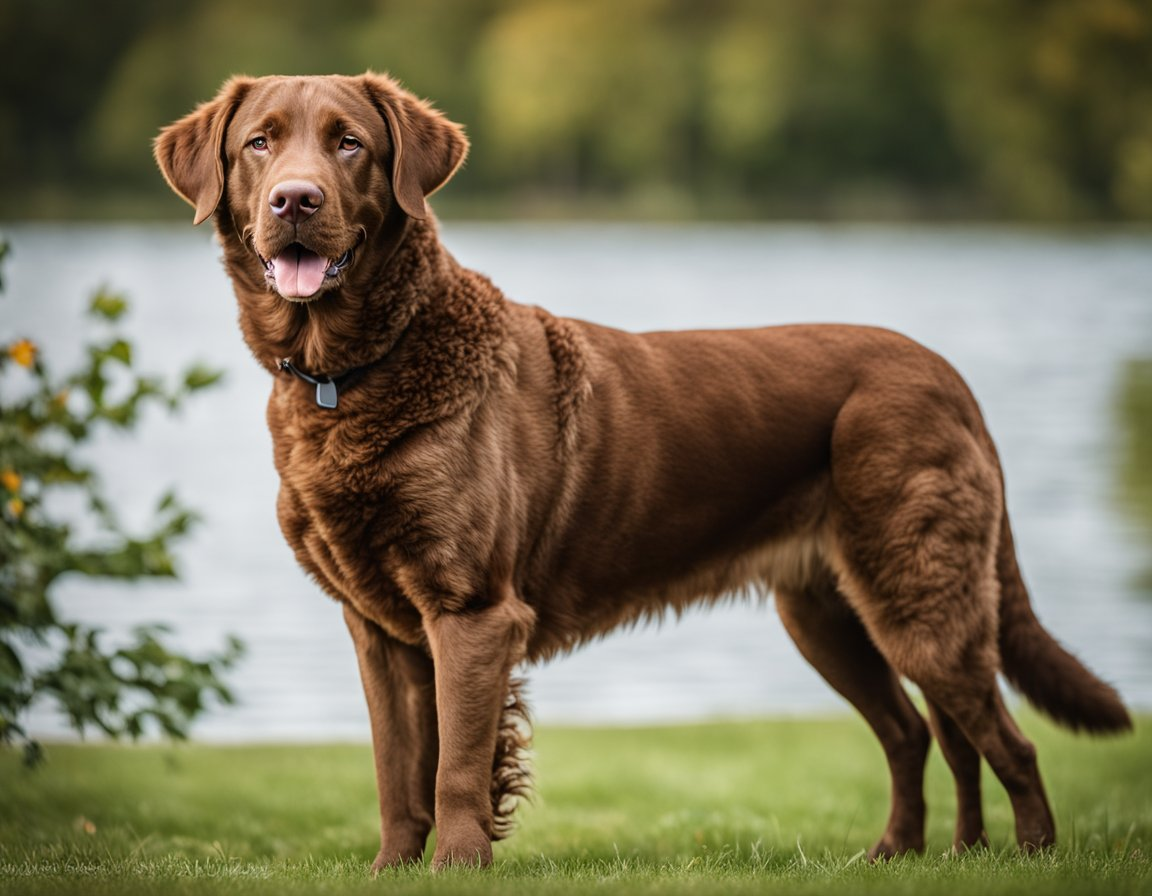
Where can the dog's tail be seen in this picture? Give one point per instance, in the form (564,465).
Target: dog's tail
(1052,679)
(512,763)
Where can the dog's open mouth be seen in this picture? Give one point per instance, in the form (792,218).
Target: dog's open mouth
(299,273)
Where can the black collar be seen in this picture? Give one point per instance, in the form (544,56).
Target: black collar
(327,387)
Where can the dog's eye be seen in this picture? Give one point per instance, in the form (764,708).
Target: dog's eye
(349,144)
(259,144)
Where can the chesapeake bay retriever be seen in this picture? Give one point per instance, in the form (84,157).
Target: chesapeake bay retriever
(480,483)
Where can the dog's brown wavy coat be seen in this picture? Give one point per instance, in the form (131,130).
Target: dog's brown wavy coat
(498,485)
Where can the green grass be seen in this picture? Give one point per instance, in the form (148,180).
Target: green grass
(757,807)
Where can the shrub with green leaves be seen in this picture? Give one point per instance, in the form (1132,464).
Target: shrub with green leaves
(49,496)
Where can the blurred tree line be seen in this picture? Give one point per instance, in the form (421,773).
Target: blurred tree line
(995,109)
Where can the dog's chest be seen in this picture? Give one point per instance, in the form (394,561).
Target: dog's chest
(376,527)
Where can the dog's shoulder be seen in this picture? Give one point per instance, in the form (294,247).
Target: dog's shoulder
(571,384)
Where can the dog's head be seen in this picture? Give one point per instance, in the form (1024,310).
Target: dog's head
(309,168)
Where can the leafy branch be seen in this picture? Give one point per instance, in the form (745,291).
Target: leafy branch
(45,419)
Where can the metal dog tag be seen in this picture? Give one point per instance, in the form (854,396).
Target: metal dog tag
(326,395)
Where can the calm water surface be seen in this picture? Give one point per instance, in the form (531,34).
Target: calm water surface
(1041,326)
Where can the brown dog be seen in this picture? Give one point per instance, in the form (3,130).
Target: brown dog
(480,483)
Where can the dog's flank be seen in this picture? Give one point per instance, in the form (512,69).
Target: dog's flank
(498,485)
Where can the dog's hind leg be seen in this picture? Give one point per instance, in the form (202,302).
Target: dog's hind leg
(985,721)
(916,529)
(964,761)
(932,613)
(831,637)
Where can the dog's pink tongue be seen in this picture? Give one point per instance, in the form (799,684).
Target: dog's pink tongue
(299,272)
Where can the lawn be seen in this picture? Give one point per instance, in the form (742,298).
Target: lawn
(779,806)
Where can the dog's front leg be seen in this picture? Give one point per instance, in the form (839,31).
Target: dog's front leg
(473,652)
(398,685)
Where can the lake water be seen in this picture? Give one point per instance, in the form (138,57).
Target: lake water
(1041,325)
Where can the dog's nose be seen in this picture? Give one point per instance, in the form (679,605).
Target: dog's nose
(295,200)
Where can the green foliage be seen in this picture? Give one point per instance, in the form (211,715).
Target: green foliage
(989,108)
(1134,467)
(1134,407)
(45,419)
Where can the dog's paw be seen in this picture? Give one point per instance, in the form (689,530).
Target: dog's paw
(968,840)
(396,855)
(467,849)
(890,847)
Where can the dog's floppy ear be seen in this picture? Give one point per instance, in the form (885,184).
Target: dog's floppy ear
(427,148)
(190,152)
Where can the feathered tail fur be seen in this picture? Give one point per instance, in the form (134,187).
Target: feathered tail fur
(512,763)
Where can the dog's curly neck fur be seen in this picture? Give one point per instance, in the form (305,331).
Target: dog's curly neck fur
(355,325)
